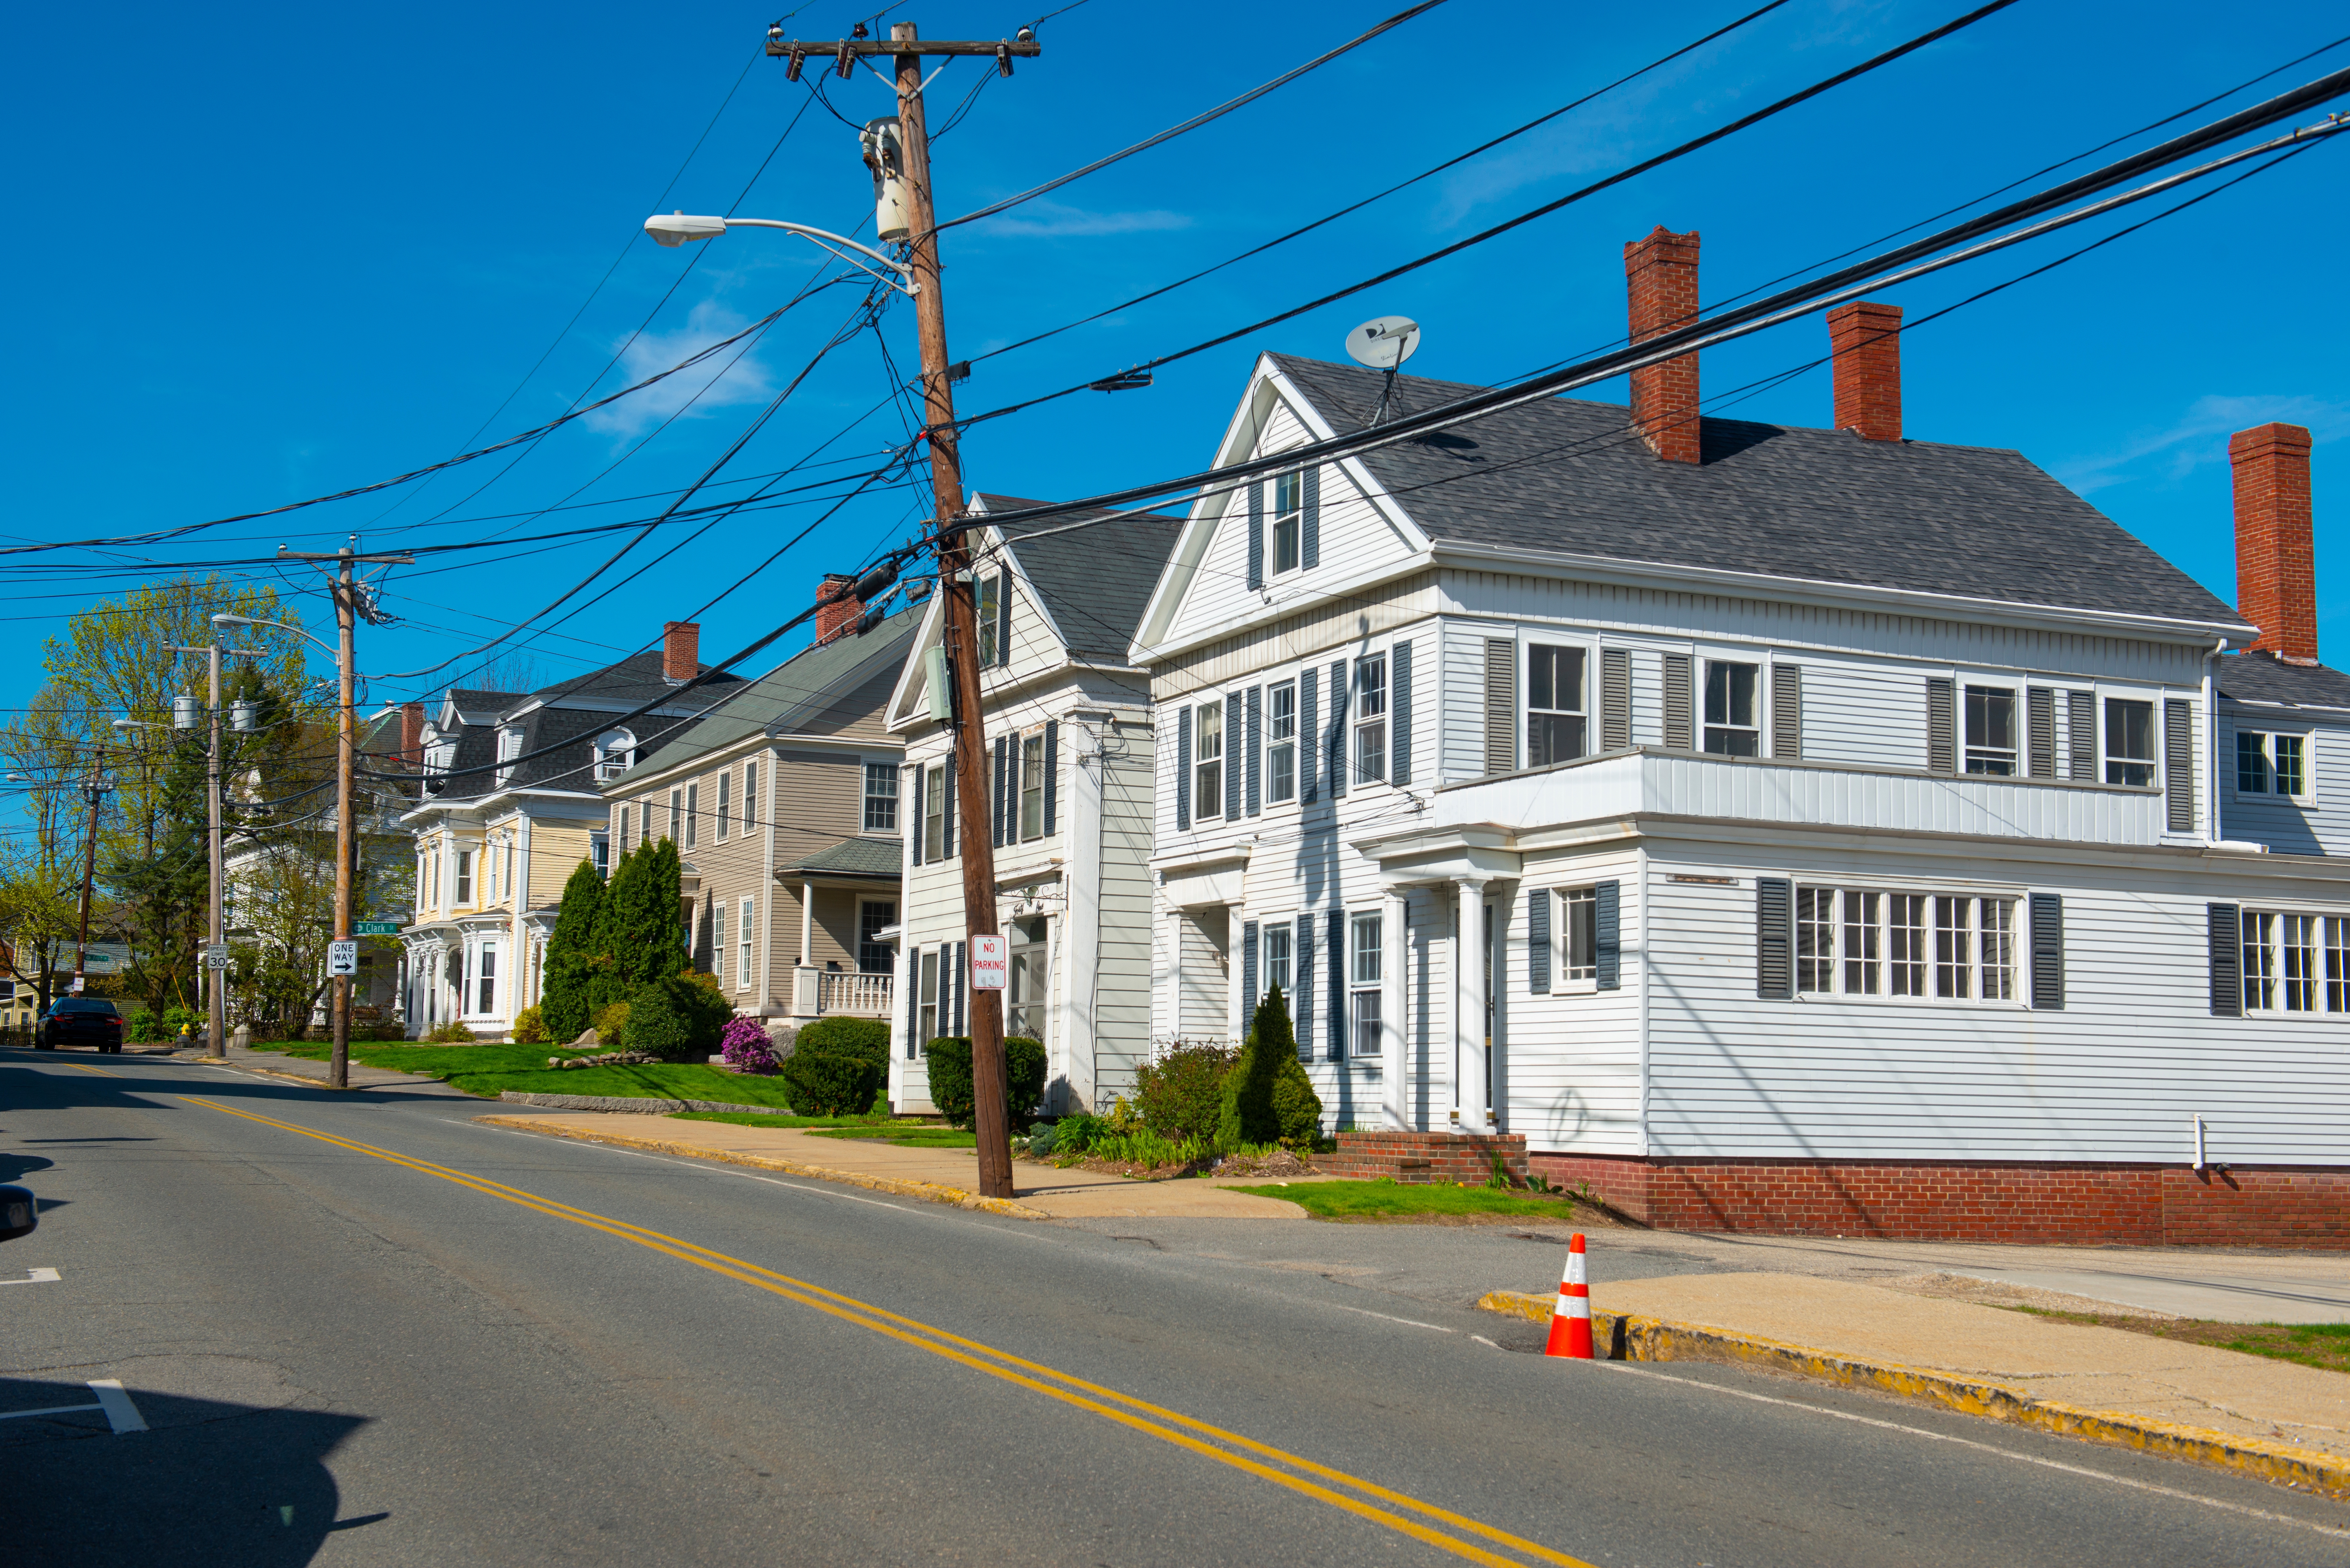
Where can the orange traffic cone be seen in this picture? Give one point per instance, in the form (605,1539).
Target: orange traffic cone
(1570,1321)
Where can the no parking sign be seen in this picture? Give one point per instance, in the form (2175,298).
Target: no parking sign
(991,963)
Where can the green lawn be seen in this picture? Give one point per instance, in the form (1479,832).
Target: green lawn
(903,1134)
(489,1069)
(2324,1345)
(751,1119)
(1381,1198)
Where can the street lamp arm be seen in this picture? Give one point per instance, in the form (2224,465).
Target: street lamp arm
(282,626)
(678,228)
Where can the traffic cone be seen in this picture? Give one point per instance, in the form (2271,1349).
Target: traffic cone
(1570,1321)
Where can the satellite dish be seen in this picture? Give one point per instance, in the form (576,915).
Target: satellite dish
(1383,343)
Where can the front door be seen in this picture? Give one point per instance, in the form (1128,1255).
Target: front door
(1025,996)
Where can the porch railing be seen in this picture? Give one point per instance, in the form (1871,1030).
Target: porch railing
(854,992)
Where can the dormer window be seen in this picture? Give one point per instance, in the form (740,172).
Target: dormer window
(509,748)
(615,754)
(1288,521)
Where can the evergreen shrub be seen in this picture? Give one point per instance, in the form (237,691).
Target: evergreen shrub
(676,1021)
(1267,1097)
(146,1026)
(610,1024)
(530,1027)
(832,1083)
(571,966)
(950,1075)
(1181,1095)
(866,1037)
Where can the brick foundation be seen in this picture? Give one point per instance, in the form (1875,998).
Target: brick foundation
(2074,1204)
(1419,1157)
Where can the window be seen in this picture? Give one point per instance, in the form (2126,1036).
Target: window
(2271,765)
(2295,963)
(620,834)
(615,754)
(1281,743)
(751,795)
(1366,955)
(1276,940)
(1208,762)
(1024,998)
(1732,729)
(1554,712)
(692,813)
(2129,742)
(506,877)
(464,875)
(926,1008)
(881,797)
(726,804)
(745,916)
(676,798)
(934,813)
(1991,731)
(717,938)
(509,748)
(486,980)
(1578,934)
(1371,720)
(1288,521)
(990,591)
(1032,787)
(1947,947)
(874,916)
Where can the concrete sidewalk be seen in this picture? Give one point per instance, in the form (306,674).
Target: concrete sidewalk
(946,1176)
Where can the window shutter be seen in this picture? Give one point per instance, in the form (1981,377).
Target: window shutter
(1679,734)
(1774,899)
(995,795)
(1307,781)
(1335,765)
(1256,536)
(2227,959)
(1052,773)
(2179,764)
(1607,931)
(1615,699)
(1538,901)
(951,846)
(955,990)
(1501,705)
(1248,976)
(1301,990)
(1234,726)
(1399,711)
(1183,766)
(1787,711)
(2040,730)
(1311,524)
(1339,961)
(920,820)
(2048,952)
(1941,726)
(1004,618)
(1255,759)
(2080,719)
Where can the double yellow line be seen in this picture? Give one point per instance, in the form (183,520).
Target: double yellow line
(1405,1515)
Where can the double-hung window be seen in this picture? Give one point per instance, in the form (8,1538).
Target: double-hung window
(1949,947)
(875,915)
(1032,787)
(934,814)
(1365,956)
(751,795)
(717,937)
(599,853)
(1371,720)
(1991,730)
(676,810)
(1556,717)
(620,834)
(745,916)
(1578,933)
(1732,726)
(2270,764)
(1277,974)
(726,804)
(464,875)
(1281,742)
(2129,740)
(486,980)
(2295,962)
(989,597)
(881,797)
(692,813)
(1288,521)
(1208,762)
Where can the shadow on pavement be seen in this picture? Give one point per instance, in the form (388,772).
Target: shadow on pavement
(126,1077)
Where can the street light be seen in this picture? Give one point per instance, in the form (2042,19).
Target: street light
(680,228)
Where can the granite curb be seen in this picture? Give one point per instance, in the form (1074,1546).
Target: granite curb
(648,1106)
(1625,1338)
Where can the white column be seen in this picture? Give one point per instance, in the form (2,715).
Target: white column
(1395,1042)
(807,924)
(1236,1008)
(1470,1047)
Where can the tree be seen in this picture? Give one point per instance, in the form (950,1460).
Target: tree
(639,931)
(564,1006)
(1268,1097)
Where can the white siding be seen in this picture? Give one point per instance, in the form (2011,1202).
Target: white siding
(1568,1067)
(2287,827)
(1862,713)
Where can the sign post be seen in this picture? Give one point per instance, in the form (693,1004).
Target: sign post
(990,961)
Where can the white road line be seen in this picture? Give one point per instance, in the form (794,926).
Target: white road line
(50,1410)
(35,1277)
(120,1413)
(2181,1496)
(1408,1321)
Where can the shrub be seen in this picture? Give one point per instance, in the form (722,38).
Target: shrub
(950,1090)
(832,1083)
(178,1018)
(676,1021)
(1267,1097)
(146,1025)
(610,1024)
(867,1037)
(743,1044)
(1147,1149)
(1297,1108)
(528,1028)
(450,1035)
(1179,1095)
(1076,1133)
(949,1061)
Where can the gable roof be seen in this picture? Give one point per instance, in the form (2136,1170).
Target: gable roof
(545,720)
(1821,506)
(2263,678)
(1095,581)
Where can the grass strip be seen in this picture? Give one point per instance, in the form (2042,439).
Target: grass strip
(2326,1346)
(1385,1198)
(908,1135)
(755,1120)
(488,1070)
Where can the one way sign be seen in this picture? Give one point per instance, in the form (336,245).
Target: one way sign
(342,958)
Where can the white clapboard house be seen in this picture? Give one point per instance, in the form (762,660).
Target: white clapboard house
(1069,758)
(1775,827)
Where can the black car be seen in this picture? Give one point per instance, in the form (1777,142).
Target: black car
(81,1021)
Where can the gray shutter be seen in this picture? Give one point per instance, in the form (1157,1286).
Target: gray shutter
(2080,719)
(1338,962)
(1679,734)
(995,800)
(1052,771)
(1941,726)
(1787,711)
(1248,977)
(1774,898)
(951,846)
(956,989)
(2225,926)
(1538,901)
(1615,699)
(1335,765)
(1004,618)
(1235,728)
(1608,930)
(1399,707)
(1256,536)
(2179,764)
(1255,759)
(2040,730)
(2048,952)
(1312,526)
(922,777)
(1306,732)
(1183,766)
(1300,982)
(1501,705)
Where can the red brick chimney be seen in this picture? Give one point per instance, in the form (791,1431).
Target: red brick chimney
(411,735)
(680,652)
(1866,341)
(2276,579)
(833,619)
(1660,278)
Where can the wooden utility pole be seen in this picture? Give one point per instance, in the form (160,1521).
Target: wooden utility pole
(904,45)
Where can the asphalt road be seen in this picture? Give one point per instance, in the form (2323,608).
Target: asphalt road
(363,1329)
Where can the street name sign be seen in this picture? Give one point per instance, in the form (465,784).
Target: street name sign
(376,928)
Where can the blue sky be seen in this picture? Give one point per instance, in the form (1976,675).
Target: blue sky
(268,252)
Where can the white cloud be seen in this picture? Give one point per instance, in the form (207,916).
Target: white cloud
(729,377)
(1052,220)
(2200,436)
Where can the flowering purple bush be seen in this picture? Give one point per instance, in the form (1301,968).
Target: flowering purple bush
(745,1046)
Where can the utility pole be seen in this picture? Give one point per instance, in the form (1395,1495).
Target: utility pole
(93,789)
(987,1072)
(346,609)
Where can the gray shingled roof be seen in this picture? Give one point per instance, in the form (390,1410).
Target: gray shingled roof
(1096,581)
(2264,678)
(853,857)
(634,679)
(1819,504)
